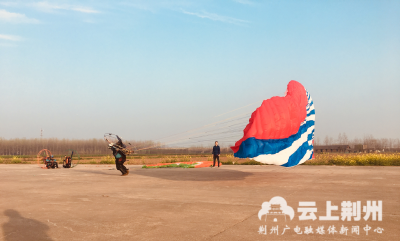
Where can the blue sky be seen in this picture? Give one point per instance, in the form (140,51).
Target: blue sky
(144,70)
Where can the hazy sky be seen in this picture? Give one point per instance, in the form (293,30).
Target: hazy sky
(144,70)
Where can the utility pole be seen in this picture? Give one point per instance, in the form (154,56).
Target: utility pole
(41,133)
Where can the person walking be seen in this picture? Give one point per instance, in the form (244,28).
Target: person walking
(216,152)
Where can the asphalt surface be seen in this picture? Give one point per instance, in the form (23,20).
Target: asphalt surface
(92,202)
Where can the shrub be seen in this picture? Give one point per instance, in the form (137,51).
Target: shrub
(186,158)
(171,166)
(106,162)
(107,159)
(231,158)
(251,162)
(170,159)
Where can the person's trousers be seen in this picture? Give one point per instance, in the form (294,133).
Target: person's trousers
(119,162)
(216,157)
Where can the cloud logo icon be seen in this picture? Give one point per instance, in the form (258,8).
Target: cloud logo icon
(275,210)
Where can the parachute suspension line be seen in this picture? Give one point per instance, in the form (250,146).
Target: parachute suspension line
(237,109)
(217,133)
(232,138)
(186,138)
(220,133)
(195,131)
(191,137)
(202,127)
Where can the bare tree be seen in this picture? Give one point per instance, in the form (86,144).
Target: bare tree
(340,139)
(370,141)
(357,141)
(345,139)
(326,141)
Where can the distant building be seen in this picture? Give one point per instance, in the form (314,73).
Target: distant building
(359,148)
(332,148)
(364,148)
(351,149)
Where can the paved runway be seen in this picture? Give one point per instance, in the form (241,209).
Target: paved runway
(92,202)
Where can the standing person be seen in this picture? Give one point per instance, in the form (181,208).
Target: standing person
(216,152)
(120,158)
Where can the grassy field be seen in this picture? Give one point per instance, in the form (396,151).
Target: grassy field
(363,159)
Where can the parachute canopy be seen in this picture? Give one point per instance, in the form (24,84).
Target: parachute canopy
(281,130)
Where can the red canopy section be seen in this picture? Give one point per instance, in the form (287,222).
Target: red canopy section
(277,117)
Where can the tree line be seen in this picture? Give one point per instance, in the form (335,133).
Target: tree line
(60,146)
(369,140)
(24,146)
(92,147)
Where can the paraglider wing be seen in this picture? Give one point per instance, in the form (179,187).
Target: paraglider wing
(281,130)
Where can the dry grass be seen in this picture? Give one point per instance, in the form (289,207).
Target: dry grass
(370,159)
(105,160)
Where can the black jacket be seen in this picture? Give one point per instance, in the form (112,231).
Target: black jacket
(216,150)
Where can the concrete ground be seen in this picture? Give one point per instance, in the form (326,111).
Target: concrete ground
(92,202)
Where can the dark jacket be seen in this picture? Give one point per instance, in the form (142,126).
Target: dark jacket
(216,150)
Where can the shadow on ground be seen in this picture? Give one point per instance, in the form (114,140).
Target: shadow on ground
(101,172)
(193,174)
(19,228)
